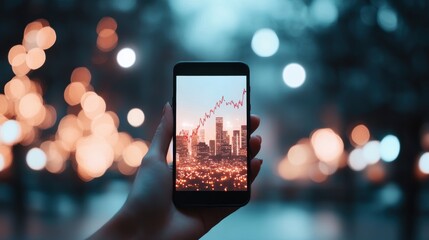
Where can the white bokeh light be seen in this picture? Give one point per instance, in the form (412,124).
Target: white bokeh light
(265,42)
(126,57)
(389,148)
(371,152)
(135,117)
(36,159)
(356,160)
(294,75)
(424,163)
(10,131)
(323,12)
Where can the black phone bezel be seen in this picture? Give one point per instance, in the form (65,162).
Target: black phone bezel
(211,198)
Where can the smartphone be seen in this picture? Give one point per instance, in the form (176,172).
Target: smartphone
(211,106)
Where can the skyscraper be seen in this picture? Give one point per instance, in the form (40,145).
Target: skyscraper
(182,146)
(212,145)
(219,133)
(201,136)
(235,142)
(243,148)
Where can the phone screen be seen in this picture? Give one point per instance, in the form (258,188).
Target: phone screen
(211,133)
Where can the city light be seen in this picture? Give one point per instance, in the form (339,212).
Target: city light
(328,146)
(323,12)
(294,75)
(36,159)
(387,19)
(10,132)
(389,148)
(359,135)
(301,153)
(135,117)
(265,42)
(356,160)
(126,57)
(424,163)
(371,152)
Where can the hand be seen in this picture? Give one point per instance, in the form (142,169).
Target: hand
(149,212)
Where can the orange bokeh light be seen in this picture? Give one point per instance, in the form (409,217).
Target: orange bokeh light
(103,125)
(124,139)
(94,155)
(108,42)
(327,145)
(35,58)
(106,23)
(74,92)
(288,171)
(69,131)
(15,89)
(301,153)
(5,157)
(376,173)
(46,37)
(82,75)
(50,117)
(30,105)
(360,135)
(14,52)
(133,154)
(92,104)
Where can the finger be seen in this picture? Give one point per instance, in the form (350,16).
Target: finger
(254,122)
(255,166)
(164,132)
(255,145)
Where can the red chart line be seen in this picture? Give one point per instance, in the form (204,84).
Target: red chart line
(212,111)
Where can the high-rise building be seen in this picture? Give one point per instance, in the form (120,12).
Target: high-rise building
(182,146)
(202,151)
(219,133)
(235,142)
(201,136)
(244,136)
(243,148)
(225,150)
(225,137)
(212,144)
(194,142)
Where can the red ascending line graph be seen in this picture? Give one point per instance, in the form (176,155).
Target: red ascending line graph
(221,102)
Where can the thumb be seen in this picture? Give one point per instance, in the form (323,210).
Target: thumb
(164,132)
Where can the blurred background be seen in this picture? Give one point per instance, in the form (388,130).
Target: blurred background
(342,88)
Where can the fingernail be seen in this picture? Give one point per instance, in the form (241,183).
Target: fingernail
(260,162)
(165,106)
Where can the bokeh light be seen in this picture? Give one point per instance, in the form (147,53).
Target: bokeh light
(30,105)
(135,117)
(294,75)
(301,153)
(265,42)
(323,12)
(94,156)
(74,92)
(126,57)
(371,152)
(328,146)
(10,132)
(389,148)
(82,75)
(46,37)
(92,104)
(36,159)
(133,154)
(356,160)
(360,135)
(35,58)
(387,19)
(424,163)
